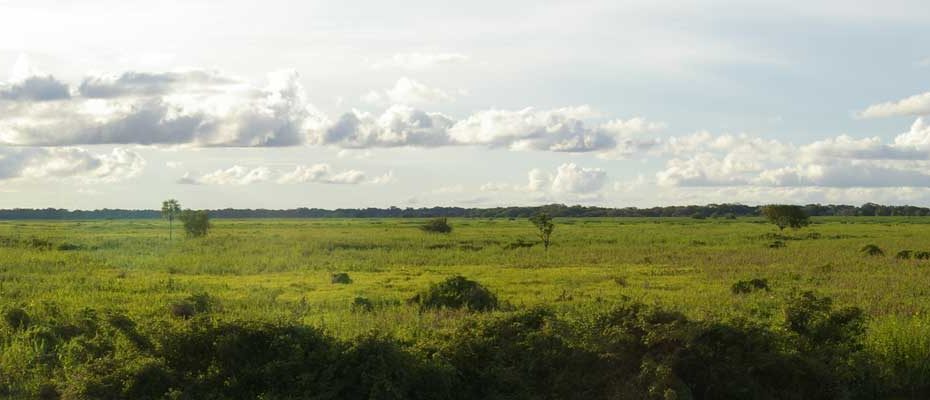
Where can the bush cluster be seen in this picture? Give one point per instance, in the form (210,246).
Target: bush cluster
(627,351)
(456,292)
(437,225)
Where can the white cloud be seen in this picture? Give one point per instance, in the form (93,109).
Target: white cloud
(915,105)
(397,126)
(419,61)
(192,108)
(569,178)
(528,129)
(316,173)
(410,92)
(69,163)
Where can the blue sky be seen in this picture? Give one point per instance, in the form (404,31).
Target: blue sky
(357,104)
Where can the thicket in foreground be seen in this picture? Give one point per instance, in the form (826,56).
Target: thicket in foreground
(627,351)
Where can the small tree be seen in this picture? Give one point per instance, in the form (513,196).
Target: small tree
(196,223)
(170,209)
(783,215)
(543,223)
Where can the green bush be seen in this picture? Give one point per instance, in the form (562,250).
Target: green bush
(743,287)
(16,318)
(457,292)
(362,304)
(341,278)
(437,225)
(196,223)
(904,254)
(872,250)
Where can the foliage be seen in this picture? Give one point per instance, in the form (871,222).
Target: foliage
(437,225)
(196,223)
(456,292)
(100,322)
(341,278)
(743,287)
(544,226)
(872,250)
(170,209)
(783,216)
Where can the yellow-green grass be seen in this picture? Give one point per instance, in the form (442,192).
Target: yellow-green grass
(280,269)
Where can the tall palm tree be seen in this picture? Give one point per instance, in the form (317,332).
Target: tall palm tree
(170,209)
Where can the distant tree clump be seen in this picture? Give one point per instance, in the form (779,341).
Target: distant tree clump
(437,225)
(544,225)
(783,216)
(196,223)
(170,209)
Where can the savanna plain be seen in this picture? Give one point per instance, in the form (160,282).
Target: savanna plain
(663,308)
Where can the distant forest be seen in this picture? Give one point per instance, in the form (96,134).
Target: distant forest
(556,210)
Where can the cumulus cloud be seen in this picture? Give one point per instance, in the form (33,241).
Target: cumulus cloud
(35,89)
(915,105)
(192,108)
(560,129)
(133,83)
(419,61)
(567,179)
(843,161)
(843,175)
(69,163)
(316,173)
(411,92)
(570,178)
(397,126)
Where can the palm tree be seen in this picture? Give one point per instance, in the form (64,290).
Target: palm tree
(170,209)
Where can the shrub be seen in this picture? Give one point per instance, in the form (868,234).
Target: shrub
(922,255)
(437,225)
(16,318)
(777,244)
(871,250)
(904,254)
(743,287)
(196,223)
(362,304)
(784,216)
(69,247)
(341,278)
(519,244)
(194,304)
(457,292)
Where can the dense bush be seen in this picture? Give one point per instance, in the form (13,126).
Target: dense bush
(872,250)
(456,292)
(196,223)
(742,287)
(626,351)
(904,254)
(437,225)
(341,278)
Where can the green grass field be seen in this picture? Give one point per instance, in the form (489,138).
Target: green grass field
(280,271)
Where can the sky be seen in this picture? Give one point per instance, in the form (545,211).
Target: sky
(344,104)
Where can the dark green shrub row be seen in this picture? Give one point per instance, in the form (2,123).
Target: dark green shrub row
(631,351)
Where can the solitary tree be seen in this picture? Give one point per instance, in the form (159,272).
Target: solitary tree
(543,223)
(783,215)
(196,223)
(170,209)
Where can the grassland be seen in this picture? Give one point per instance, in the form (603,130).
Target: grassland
(280,271)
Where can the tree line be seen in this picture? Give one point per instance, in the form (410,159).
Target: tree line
(554,210)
